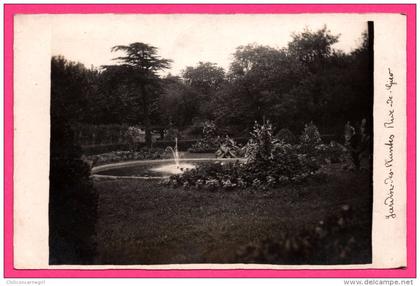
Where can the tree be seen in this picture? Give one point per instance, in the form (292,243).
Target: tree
(73,200)
(259,77)
(307,81)
(206,77)
(138,70)
(312,47)
(117,103)
(178,103)
(334,86)
(72,88)
(204,80)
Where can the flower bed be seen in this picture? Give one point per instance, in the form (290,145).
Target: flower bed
(269,162)
(120,156)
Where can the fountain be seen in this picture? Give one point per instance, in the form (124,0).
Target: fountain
(177,167)
(175,152)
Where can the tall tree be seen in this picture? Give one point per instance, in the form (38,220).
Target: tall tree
(179,103)
(72,88)
(307,81)
(205,77)
(259,76)
(73,199)
(138,70)
(312,48)
(204,80)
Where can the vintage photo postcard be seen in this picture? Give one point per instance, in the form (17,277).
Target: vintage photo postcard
(273,141)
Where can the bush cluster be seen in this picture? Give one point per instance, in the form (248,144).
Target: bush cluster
(269,162)
(228,148)
(210,141)
(119,156)
(89,134)
(330,241)
(203,147)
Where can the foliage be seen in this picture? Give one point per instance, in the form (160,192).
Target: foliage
(137,70)
(178,103)
(172,134)
(190,97)
(312,145)
(331,241)
(257,77)
(310,138)
(120,156)
(229,149)
(205,77)
(312,47)
(211,176)
(209,130)
(204,80)
(306,80)
(331,153)
(91,134)
(209,142)
(202,147)
(286,136)
(73,199)
(73,86)
(269,162)
(134,135)
(358,143)
(260,146)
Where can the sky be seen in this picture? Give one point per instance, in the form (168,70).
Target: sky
(189,39)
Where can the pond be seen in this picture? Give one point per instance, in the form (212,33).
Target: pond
(150,169)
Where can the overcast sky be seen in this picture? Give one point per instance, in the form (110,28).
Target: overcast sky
(188,39)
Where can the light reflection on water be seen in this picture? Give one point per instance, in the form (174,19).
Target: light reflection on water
(173,168)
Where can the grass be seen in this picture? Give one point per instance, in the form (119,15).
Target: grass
(143,222)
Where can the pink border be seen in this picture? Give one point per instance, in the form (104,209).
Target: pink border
(11,9)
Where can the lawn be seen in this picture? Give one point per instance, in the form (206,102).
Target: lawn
(143,222)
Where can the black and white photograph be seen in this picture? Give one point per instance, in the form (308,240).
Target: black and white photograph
(211,139)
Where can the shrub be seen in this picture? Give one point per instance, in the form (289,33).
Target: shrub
(229,149)
(331,241)
(119,156)
(286,136)
(202,147)
(259,147)
(134,136)
(269,162)
(331,153)
(285,166)
(210,141)
(209,131)
(310,138)
(72,202)
(89,134)
(358,142)
(210,175)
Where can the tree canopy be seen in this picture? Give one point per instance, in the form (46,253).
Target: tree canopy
(308,80)
(137,72)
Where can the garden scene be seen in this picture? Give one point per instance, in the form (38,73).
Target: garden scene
(268,161)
